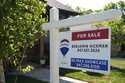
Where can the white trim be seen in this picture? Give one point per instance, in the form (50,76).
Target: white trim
(70,80)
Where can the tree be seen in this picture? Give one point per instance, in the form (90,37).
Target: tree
(4,9)
(5,5)
(118,26)
(111,6)
(83,11)
(19,28)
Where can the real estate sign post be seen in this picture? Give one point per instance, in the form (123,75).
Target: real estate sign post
(88,50)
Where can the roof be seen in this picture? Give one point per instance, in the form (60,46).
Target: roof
(57,4)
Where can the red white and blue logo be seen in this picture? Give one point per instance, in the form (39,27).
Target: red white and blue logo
(64,46)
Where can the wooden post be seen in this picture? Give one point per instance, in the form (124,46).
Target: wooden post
(54,65)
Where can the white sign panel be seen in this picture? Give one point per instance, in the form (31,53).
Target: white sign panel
(88,49)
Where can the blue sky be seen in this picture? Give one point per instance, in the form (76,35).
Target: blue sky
(88,4)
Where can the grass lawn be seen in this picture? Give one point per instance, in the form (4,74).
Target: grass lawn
(117,74)
(21,79)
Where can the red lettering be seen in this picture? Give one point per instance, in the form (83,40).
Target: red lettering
(90,35)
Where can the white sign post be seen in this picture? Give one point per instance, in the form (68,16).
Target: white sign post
(54,66)
(86,50)
(75,21)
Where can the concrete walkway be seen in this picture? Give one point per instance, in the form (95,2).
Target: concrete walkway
(43,74)
(39,74)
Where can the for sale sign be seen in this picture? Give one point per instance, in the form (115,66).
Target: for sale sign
(88,49)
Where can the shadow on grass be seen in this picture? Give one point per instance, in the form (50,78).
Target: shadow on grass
(65,71)
(94,74)
(122,71)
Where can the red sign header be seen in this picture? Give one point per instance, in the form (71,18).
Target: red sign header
(90,35)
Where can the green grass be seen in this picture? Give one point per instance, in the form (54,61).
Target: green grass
(118,63)
(117,74)
(21,79)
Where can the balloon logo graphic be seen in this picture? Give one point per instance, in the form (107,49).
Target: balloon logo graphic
(64,46)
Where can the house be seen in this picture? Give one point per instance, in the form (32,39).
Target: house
(41,49)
